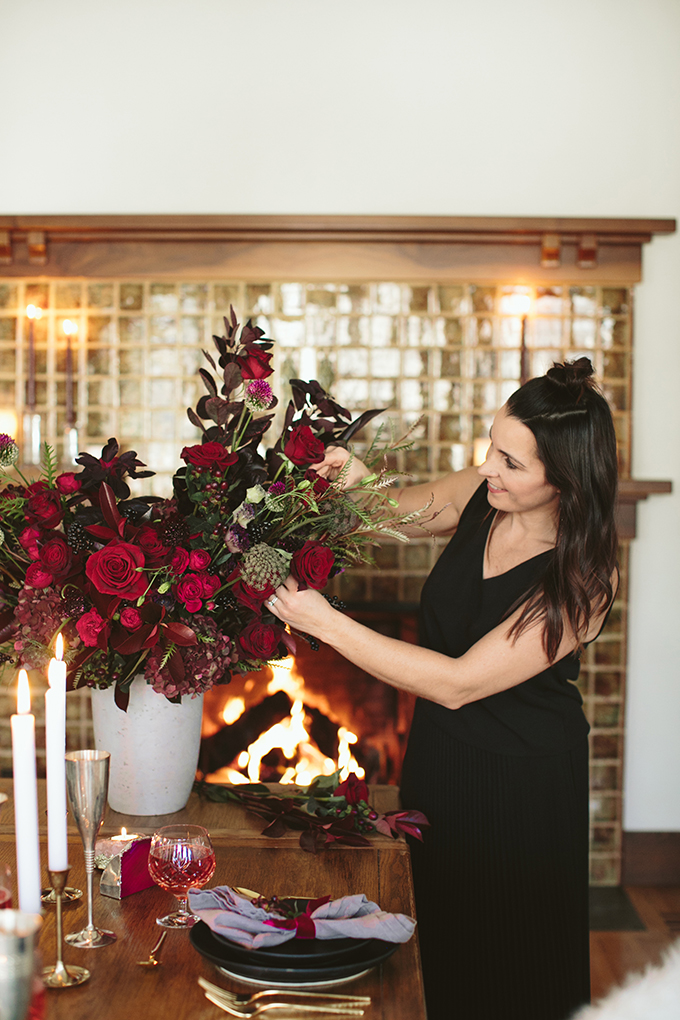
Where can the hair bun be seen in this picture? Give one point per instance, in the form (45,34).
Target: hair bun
(572,374)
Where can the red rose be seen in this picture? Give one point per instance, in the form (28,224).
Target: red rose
(28,540)
(199,559)
(113,570)
(155,553)
(56,556)
(311,566)
(213,456)
(89,627)
(180,561)
(255,364)
(68,483)
(190,592)
(353,790)
(44,508)
(249,597)
(210,583)
(130,618)
(260,640)
(320,484)
(303,447)
(38,577)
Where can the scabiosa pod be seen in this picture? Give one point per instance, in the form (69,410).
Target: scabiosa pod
(9,451)
(263,567)
(258,395)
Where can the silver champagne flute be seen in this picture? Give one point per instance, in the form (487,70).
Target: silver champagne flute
(17,936)
(87,782)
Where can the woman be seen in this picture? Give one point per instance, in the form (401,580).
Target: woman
(497,756)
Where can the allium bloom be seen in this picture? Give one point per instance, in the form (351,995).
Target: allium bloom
(9,451)
(258,396)
(277,488)
(263,567)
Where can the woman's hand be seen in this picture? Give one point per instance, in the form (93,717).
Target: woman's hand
(334,461)
(307,611)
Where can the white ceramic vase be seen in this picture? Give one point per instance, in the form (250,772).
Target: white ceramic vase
(154,748)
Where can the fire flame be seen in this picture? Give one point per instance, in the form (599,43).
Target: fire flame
(291,736)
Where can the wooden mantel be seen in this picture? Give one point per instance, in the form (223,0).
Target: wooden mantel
(630,492)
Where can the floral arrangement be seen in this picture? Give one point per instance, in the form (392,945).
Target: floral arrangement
(176,588)
(328,811)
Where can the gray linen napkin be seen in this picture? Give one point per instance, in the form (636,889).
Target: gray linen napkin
(237,918)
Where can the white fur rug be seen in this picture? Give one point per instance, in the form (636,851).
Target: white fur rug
(654,995)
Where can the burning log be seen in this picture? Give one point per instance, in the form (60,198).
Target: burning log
(221,749)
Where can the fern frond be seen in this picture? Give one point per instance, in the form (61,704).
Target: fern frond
(50,464)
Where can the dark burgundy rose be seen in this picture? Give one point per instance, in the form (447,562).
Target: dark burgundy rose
(303,447)
(28,540)
(213,456)
(180,561)
(155,553)
(320,484)
(199,559)
(38,577)
(189,591)
(68,483)
(255,364)
(210,583)
(353,790)
(89,627)
(56,556)
(247,596)
(113,570)
(44,508)
(260,640)
(311,566)
(130,618)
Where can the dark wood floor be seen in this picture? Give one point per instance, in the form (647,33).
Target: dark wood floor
(614,954)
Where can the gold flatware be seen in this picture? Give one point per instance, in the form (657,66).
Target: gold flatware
(153,961)
(268,1007)
(234,999)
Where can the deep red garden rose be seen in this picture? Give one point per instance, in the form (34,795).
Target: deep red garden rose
(113,570)
(311,566)
(199,559)
(68,483)
(130,618)
(44,508)
(304,447)
(38,577)
(56,556)
(213,456)
(89,627)
(210,583)
(255,364)
(249,597)
(320,484)
(189,591)
(353,790)
(28,540)
(155,553)
(260,640)
(180,561)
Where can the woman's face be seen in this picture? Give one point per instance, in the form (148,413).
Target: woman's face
(514,475)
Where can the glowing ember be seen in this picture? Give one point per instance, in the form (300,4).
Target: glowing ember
(233,710)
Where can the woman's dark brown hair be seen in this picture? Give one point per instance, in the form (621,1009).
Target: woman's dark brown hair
(574,432)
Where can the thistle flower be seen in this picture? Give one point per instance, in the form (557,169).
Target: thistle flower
(9,451)
(263,566)
(276,488)
(258,395)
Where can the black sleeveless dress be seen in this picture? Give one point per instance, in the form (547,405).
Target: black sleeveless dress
(501,878)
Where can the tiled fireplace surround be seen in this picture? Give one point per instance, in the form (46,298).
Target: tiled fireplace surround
(441,348)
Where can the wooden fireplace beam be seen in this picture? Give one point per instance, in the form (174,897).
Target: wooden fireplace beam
(631,491)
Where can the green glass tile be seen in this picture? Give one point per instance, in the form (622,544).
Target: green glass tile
(483,298)
(320,330)
(193,297)
(8,295)
(37,294)
(615,300)
(510,365)
(617,396)
(41,361)
(39,330)
(583,300)
(607,653)
(583,333)
(607,714)
(614,623)
(417,460)
(604,837)
(100,330)
(8,360)
(325,373)
(162,361)
(291,298)
(484,397)
(509,332)
(480,332)
(605,745)
(382,393)
(100,393)
(386,557)
(452,427)
(604,871)
(604,809)
(163,298)
(68,295)
(132,424)
(162,329)
(320,298)
(603,777)
(413,395)
(131,329)
(7,392)
(354,299)
(132,297)
(99,423)
(549,301)
(452,300)
(608,684)
(385,364)
(481,426)
(387,298)
(614,333)
(163,422)
(191,361)
(132,361)
(485,366)
(621,427)
(383,331)
(615,365)
(289,333)
(226,295)
(191,331)
(353,361)
(130,392)
(8,330)
(545,333)
(452,331)
(416,556)
(100,295)
(417,298)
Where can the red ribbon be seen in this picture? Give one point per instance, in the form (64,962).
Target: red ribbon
(302,923)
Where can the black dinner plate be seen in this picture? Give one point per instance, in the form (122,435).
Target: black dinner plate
(304,952)
(221,953)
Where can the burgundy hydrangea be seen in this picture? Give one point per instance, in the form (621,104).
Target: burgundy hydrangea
(205,664)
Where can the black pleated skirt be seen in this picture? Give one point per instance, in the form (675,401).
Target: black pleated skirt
(501,879)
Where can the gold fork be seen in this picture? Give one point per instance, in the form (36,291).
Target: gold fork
(267,1007)
(234,999)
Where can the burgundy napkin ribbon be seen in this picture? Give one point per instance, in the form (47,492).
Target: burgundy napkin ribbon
(303,924)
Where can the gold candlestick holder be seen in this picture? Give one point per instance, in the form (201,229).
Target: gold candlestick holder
(61,976)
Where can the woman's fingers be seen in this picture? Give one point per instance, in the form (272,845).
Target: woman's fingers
(334,460)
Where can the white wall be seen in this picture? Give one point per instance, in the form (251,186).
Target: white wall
(389,106)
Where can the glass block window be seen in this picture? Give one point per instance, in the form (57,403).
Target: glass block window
(440,357)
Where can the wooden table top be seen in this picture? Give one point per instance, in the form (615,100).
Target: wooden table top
(119,990)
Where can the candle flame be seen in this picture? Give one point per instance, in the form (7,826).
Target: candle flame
(59,648)
(517,304)
(70,327)
(34,311)
(23,694)
(123,830)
